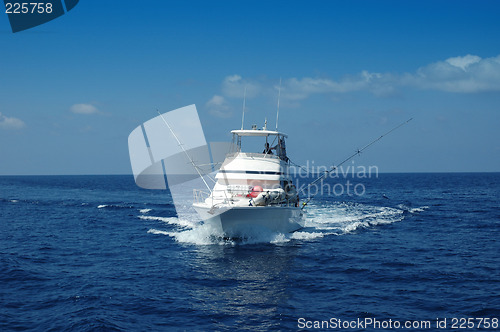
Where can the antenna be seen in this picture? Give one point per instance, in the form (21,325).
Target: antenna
(278,111)
(243,115)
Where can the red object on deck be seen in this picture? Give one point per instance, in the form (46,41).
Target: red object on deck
(256,190)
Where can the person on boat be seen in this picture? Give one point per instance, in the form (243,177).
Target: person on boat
(282,149)
(267,149)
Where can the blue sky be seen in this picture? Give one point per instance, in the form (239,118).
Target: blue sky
(73,89)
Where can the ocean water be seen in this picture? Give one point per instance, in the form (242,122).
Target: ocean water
(87,253)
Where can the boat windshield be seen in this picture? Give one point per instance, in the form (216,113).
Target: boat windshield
(267,143)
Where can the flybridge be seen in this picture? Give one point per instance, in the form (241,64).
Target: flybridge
(274,141)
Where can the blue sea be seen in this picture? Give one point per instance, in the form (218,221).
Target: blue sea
(97,253)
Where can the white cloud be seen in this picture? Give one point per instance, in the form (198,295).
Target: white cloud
(234,87)
(467,74)
(10,123)
(219,107)
(463,61)
(461,74)
(83,109)
(376,83)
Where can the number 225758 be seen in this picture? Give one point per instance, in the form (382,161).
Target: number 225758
(28,7)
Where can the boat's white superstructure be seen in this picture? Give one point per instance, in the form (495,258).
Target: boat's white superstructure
(253,190)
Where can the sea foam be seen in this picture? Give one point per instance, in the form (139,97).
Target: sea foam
(321,220)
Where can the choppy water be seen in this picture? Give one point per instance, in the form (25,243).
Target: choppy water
(97,253)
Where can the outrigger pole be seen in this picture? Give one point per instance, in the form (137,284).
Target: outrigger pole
(332,168)
(184,150)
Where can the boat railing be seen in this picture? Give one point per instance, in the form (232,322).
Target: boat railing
(252,155)
(200,196)
(229,196)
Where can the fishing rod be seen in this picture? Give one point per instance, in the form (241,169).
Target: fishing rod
(358,152)
(185,152)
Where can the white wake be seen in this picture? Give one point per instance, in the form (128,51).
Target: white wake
(321,220)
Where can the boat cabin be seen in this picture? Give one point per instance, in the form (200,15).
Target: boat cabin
(269,143)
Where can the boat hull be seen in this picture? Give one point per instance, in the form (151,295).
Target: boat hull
(245,221)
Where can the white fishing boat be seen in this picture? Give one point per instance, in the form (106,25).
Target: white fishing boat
(253,190)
